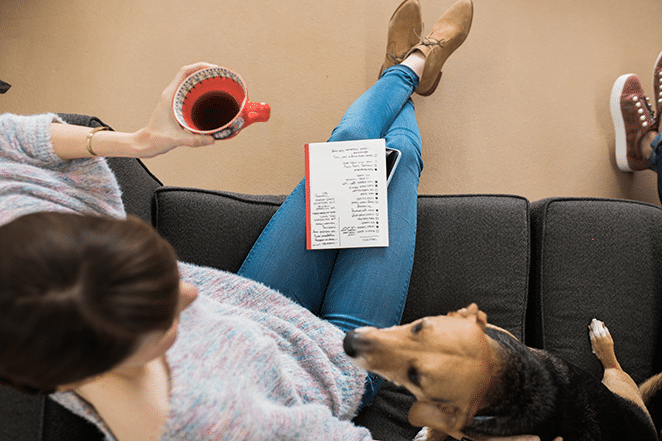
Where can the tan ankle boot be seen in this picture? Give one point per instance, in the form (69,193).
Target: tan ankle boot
(447,35)
(404,29)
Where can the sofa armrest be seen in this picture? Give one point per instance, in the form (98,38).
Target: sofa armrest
(137,184)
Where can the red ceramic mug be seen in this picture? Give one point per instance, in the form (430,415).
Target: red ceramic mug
(214,101)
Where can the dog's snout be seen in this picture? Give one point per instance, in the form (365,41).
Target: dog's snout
(354,344)
(349,344)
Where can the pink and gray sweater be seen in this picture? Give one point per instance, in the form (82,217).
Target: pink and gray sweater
(248,364)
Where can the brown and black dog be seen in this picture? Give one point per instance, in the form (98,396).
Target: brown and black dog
(475,380)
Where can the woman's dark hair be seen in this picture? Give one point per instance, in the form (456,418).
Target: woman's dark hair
(76,294)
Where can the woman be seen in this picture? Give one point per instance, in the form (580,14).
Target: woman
(96,307)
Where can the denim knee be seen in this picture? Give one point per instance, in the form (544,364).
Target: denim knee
(410,146)
(350,132)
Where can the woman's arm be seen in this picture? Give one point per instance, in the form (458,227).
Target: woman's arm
(161,134)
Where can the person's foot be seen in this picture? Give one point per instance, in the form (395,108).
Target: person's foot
(657,86)
(404,29)
(447,35)
(632,119)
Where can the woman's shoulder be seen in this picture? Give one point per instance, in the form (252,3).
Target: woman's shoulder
(33,178)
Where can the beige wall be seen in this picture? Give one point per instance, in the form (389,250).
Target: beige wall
(523,106)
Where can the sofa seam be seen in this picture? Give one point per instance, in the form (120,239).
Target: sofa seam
(243,197)
(527,290)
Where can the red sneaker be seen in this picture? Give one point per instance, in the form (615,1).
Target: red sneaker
(632,118)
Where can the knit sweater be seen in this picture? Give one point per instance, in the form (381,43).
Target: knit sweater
(248,363)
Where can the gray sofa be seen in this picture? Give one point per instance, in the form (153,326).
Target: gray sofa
(542,270)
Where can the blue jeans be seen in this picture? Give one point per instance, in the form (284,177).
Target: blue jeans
(657,165)
(353,287)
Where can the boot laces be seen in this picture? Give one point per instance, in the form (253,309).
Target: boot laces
(427,41)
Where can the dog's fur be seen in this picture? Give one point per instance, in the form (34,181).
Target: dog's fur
(476,380)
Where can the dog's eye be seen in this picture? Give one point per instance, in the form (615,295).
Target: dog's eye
(412,375)
(417,327)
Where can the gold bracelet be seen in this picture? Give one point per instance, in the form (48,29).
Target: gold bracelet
(88,141)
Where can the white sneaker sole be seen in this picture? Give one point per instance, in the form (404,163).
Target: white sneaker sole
(657,88)
(620,135)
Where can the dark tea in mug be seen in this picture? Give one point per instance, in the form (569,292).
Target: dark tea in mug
(213,110)
(214,101)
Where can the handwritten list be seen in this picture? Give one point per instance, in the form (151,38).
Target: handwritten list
(346,200)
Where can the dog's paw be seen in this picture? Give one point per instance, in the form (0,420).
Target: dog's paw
(427,434)
(422,435)
(602,343)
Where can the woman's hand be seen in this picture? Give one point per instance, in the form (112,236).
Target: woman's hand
(163,133)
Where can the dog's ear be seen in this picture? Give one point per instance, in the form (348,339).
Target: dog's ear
(4,87)
(440,416)
(481,317)
(472,312)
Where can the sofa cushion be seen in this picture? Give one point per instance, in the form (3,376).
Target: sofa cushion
(598,258)
(472,248)
(469,248)
(456,235)
(212,228)
(20,415)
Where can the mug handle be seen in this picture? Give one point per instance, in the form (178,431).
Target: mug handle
(256,112)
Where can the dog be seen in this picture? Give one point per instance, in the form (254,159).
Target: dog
(475,380)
